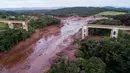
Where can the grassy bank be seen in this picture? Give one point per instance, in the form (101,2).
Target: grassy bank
(3,26)
(110,13)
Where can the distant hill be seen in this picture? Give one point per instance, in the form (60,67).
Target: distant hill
(82,11)
(66,11)
(30,8)
(118,8)
(33,10)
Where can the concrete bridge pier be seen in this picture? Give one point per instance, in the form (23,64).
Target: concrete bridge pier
(84,31)
(114,33)
(25,26)
(10,25)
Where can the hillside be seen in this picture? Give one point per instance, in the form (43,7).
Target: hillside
(81,11)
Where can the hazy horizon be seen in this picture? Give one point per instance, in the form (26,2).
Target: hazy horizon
(62,3)
(65,7)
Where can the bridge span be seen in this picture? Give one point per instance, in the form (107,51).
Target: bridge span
(114,29)
(12,22)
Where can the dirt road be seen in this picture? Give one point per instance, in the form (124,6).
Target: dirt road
(47,47)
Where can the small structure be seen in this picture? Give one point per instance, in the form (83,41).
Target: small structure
(114,29)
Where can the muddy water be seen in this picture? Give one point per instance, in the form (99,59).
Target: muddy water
(47,47)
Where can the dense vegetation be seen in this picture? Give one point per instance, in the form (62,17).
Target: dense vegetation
(99,32)
(44,21)
(98,56)
(10,37)
(125,19)
(13,15)
(92,65)
(108,22)
(81,11)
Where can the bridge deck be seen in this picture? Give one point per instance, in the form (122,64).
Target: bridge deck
(108,26)
(12,21)
(17,21)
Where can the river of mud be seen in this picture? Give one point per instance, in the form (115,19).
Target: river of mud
(47,47)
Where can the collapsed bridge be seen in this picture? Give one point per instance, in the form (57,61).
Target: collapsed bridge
(11,24)
(114,29)
(24,24)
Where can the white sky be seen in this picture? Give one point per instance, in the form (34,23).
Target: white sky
(62,3)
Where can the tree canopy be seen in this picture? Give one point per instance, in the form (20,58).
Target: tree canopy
(44,21)
(7,15)
(125,19)
(10,37)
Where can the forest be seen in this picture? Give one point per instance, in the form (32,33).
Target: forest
(98,56)
(8,15)
(125,19)
(10,37)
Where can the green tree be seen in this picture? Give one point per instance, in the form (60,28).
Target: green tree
(62,67)
(95,65)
